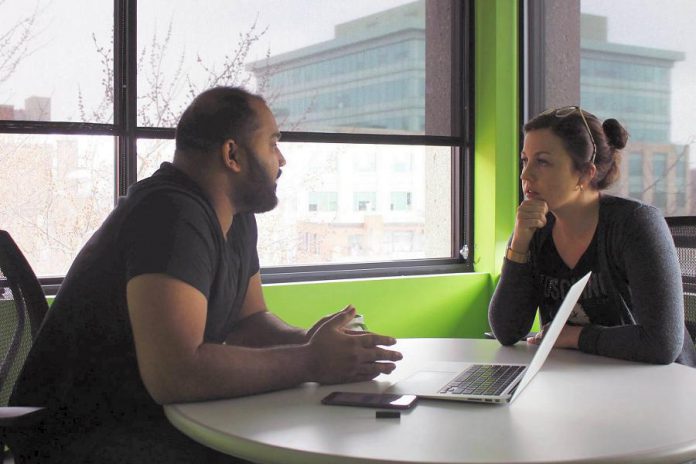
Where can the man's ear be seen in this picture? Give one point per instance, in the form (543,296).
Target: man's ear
(230,155)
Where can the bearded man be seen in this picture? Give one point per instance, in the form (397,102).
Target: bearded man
(164,304)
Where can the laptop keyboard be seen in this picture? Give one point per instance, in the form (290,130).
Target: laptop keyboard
(483,379)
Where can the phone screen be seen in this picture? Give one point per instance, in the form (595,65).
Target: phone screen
(371,400)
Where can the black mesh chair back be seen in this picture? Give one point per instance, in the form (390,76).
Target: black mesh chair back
(683,229)
(22,309)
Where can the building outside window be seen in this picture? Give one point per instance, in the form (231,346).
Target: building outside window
(629,60)
(365,162)
(402,162)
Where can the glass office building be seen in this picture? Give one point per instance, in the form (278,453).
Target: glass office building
(370,76)
(633,84)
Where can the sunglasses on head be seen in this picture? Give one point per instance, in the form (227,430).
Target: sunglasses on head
(567,111)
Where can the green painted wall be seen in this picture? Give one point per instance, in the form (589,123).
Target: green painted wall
(452,305)
(446,305)
(496,138)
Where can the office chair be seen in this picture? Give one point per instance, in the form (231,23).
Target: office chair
(22,309)
(683,229)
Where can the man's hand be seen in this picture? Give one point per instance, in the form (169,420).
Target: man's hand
(531,215)
(312,330)
(568,338)
(340,356)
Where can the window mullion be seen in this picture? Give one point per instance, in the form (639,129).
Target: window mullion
(125,92)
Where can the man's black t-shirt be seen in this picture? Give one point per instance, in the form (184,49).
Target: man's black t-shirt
(83,364)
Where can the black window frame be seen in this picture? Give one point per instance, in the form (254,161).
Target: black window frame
(126,133)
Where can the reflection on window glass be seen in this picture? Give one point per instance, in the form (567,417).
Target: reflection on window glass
(56,65)
(359,66)
(639,68)
(327,216)
(55,190)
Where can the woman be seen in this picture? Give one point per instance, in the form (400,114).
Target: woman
(632,307)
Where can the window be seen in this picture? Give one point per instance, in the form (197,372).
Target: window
(400,201)
(635,176)
(634,67)
(59,191)
(371,98)
(658,187)
(57,160)
(364,201)
(681,180)
(323,201)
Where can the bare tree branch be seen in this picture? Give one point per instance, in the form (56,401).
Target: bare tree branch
(15,43)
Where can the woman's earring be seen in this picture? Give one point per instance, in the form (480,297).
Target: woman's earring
(582,189)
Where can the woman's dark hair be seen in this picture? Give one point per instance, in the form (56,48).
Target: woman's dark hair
(609,138)
(214,116)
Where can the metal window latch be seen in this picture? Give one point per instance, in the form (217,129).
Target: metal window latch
(464,252)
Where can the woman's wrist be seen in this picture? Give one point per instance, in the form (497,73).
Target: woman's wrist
(520,242)
(517,257)
(518,250)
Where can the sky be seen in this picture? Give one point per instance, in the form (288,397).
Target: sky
(209,29)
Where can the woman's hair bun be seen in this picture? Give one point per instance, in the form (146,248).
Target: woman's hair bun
(616,135)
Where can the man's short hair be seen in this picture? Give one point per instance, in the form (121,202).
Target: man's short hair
(214,116)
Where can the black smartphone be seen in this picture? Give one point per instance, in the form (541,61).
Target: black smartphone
(371,400)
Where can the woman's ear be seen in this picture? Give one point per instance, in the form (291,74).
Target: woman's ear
(588,175)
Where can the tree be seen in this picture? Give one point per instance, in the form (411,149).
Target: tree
(169,87)
(16,41)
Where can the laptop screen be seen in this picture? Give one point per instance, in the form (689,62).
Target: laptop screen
(553,331)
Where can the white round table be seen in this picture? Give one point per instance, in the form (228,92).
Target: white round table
(578,409)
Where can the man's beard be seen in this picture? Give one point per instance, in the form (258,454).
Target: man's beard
(256,191)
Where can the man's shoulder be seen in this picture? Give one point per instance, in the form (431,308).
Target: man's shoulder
(166,183)
(164,194)
(157,198)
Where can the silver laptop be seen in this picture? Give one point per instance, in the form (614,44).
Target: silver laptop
(487,383)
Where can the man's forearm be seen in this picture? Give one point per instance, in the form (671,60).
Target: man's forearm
(265,329)
(211,371)
(221,371)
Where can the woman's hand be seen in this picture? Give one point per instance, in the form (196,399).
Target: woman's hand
(568,338)
(531,215)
